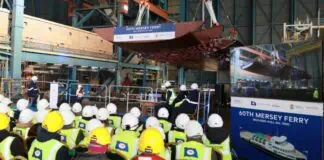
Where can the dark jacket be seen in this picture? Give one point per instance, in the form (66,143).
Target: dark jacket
(193,95)
(17,146)
(44,136)
(216,135)
(181,95)
(32,90)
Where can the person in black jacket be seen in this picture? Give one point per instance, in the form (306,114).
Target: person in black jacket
(189,105)
(180,97)
(33,93)
(11,144)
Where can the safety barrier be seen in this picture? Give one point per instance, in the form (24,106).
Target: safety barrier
(90,91)
(130,94)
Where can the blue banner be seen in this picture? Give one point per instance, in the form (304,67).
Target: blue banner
(168,27)
(145,32)
(267,135)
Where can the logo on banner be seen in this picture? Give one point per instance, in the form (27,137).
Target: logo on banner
(253,103)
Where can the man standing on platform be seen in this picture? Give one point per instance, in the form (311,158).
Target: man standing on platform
(33,93)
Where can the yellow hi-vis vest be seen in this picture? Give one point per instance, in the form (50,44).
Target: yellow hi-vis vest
(44,150)
(5,148)
(223,149)
(166,125)
(315,94)
(76,121)
(114,121)
(178,104)
(126,143)
(82,124)
(173,96)
(165,154)
(22,132)
(193,151)
(69,136)
(176,137)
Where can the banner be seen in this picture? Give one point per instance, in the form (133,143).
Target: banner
(53,95)
(144,33)
(277,101)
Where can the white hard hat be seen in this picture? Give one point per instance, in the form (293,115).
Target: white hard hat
(94,110)
(79,86)
(136,111)
(34,78)
(68,117)
(163,87)
(167,84)
(40,115)
(102,114)
(42,104)
(182,120)
(26,116)
(183,87)
(193,128)
(215,121)
(160,129)
(163,113)
(129,121)
(87,112)
(77,108)
(22,104)
(112,108)
(65,107)
(6,101)
(93,124)
(194,86)
(152,122)
(4,108)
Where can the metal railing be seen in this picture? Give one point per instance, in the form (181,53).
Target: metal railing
(88,92)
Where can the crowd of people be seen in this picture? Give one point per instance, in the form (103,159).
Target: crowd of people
(89,132)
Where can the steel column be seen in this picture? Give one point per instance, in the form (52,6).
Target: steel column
(85,18)
(217,9)
(119,54)
(145,72)
(254,21)
(164,72)
(183,10)
(73,73)
(181,75)
(16,37)
(75,18)
(292,15)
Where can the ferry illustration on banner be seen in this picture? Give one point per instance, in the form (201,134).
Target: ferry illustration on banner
(278,147)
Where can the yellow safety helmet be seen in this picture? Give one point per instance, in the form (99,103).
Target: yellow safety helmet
(100,135)
(4,121)
(53,122)
(151,141)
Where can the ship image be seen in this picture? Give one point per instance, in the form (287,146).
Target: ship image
(275,146)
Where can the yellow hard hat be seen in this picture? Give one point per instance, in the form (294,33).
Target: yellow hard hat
(151,141)
(53,122)
(100,135)
(4,121)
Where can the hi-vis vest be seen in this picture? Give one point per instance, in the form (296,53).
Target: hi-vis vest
(223,149)
(173,96)
(22,132)
(69,136)
(5,148)
(193,151)
(114,121)
(165,125)
(82,124)
(176,137)
(165,154)
(126,143)
(76,121)
(315,94)
(44,150)
(178,104)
